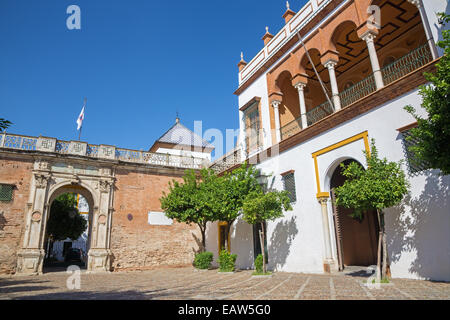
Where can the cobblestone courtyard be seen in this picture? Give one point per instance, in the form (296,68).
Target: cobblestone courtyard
(187,283)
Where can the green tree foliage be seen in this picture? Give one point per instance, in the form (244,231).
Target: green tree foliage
(65,221)
(4,124)
(233,189)
(260,207)
(193,200)
(433,133)
(382,185)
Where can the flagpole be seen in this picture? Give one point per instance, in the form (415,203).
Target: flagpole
(81,127)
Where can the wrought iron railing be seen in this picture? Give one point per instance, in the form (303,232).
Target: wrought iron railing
(407,64)
(52,145)
(357,91)
(319,112)
(291,128)
(227,161)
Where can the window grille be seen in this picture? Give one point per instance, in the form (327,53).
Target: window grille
(289,185)
(6,191)
(253,128)
(415,165)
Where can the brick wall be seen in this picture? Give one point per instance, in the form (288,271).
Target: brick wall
(136,244)
(12,213)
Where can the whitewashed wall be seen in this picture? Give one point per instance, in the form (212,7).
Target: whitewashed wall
(418,231)
(186,153)
(432,7)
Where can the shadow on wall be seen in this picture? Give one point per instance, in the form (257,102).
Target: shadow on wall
(422,225)
(198,241)
(242,243)
(280,242)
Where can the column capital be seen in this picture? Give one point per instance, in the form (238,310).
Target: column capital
(300,86)
(323,197)
(330,64)
(275,97)
(369,36)
(275,103)
(416,3)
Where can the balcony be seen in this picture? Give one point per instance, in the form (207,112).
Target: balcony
(392,72)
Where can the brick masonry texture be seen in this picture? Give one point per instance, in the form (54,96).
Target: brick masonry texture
(17,173)
(136,244)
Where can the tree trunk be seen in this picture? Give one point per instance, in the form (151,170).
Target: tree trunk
(203,231)
(384,246)
(263,248)
(380,244)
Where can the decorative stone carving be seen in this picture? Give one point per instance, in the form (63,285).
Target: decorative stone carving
(107,152)
(75,179)
(103,185)
(42,165)
(36,216)
(41,180)
(46,144)
(78,148)
(102,219)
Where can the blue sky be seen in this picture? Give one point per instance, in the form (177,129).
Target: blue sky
(138,62)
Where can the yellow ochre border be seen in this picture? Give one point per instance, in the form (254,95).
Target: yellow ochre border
(219,237)
(363,135)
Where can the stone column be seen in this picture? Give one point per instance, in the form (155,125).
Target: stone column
(100,252)
(426,27)
(31,257)
(275,105)
(301,96)
(330,65)
(369,38)
(328,264)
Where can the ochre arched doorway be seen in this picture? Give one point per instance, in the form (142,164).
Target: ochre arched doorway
(357,240)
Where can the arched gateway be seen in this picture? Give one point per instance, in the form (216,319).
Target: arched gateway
(127,229)
(51,180)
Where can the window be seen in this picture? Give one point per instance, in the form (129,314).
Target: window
(415,165)
(289,185)
(6,191)
(252,127)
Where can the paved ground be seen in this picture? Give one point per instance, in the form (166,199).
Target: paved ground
(187,283)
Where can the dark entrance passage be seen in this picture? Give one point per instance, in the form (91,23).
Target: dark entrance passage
(357,240)
(67,233)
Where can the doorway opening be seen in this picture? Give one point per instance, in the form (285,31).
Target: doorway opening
(67,237)
(356,240)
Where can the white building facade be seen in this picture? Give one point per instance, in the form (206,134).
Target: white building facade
(299,138)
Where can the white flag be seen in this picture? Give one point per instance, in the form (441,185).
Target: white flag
(80,119)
